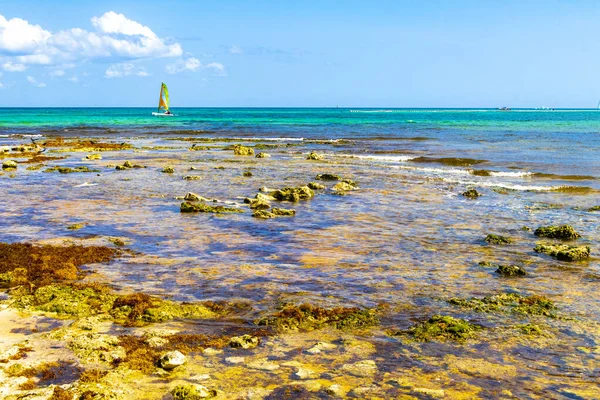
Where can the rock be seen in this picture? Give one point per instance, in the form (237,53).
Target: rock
(168,169)
(335,390)
(497,239)
(264,197)
(293,194)
(314,156)
(240,150)
(192,177)
(511,270)
(283,212)
(191,196)
(316,186)
(433,393)
(187,207)
(263,155)
(342,187)
(305,373)
(235,360)
(120,168)
(9,164)
(171,360)
(96,347)
(194,169)
(564,232)
(127,164)
(156,341)
(192,392)
(321,346)
(363,368)
(595,208)
(328,177)
(244,342)
(257,204)
(471,194)
(275,212)
(263,365)
(247,174)
(564,252)
(93,157)
(209,351)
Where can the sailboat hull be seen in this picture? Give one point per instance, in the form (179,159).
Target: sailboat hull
(162,114)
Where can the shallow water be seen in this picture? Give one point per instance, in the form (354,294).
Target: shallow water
(406,238)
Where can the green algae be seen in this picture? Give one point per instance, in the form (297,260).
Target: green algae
(509,303)
(564,252)
(68,170)
(328,177)
(187,207)
(511,270)
(293,194)
(240,150)
(441,328)
(532,330)
(450,161)
(307,317)
(564,232)
(275,212)
(498,239)
(471,194)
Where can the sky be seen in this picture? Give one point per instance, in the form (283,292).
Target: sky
(434,53)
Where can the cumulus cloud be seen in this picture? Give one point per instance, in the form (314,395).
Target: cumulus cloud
(116,38)
(13,67)
(35,82)
(56,73)
(73,79)
(193,64)
(124,69)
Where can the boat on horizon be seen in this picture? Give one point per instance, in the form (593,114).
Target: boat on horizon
(163,103)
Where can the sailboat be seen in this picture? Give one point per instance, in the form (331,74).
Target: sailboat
(163,103)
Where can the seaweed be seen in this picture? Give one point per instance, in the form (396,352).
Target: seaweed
(187,207)
(308,317)
(497,239)
(441,328)
(564,232)
(509,302)
(564,252)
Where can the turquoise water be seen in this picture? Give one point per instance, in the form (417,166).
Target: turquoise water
(563,142)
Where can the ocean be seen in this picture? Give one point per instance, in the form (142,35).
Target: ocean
(404,242)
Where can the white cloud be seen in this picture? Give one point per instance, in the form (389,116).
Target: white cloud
(124,69)
(57,73)
(73,79)
(235,50)
(111,22)
(19,37)
(117,38)
(1,85)
(35,82)
(193,64)
(13,67)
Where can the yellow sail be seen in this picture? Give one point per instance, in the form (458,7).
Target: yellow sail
(163,100)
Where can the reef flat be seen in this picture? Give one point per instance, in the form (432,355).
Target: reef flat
(187,265)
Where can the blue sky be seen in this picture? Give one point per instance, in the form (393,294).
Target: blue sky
(326,53)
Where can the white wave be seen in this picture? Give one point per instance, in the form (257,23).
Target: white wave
(455,171)
(85,184)
(371,157)
(511,174)
(505,185)
(267,139)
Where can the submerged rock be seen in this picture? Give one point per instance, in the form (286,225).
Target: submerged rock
(564,232)
(564,252)
(9,164)
(275,212)
(364,368)
(497,239)
(316,186)
(511,270)
(187,207)
(240,150)
(68,170)
(168,169)
(328,177)
(263,155)
(314,156)
(192,177)
(293,194)
(595,208)
(247,174)
(171,360)
(192,392)
(343,187)
(509,302)
(471,194)
(441,327)
(244,342)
